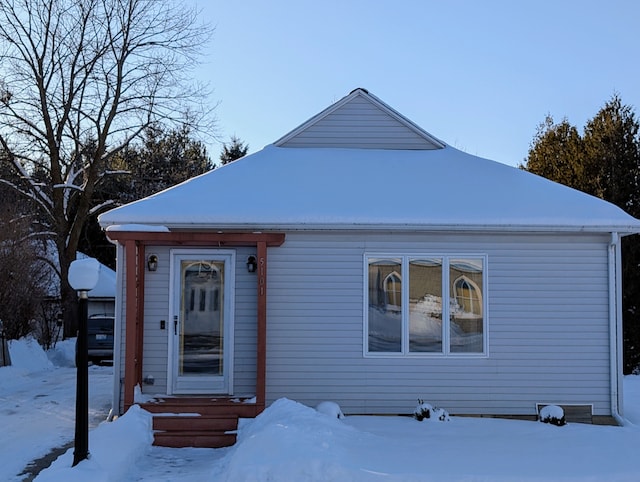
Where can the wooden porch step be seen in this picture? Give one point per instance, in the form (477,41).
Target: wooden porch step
(173,423)
(197,421)
(196,438)
(202,406)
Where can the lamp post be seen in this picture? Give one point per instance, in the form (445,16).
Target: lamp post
(83,277)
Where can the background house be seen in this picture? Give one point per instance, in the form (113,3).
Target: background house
(101,298)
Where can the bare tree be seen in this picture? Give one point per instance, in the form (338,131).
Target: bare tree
(80,80)
(25,276)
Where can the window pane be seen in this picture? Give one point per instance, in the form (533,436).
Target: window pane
(465,305)
(425,305)
(385,305)
(201,332)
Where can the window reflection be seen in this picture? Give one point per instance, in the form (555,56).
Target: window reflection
(201,341)
(385,305)
(425,305)
(422,310)
(466,322)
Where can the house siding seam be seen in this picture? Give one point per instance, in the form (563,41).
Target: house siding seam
(547,298)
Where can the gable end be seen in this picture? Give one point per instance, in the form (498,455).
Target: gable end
(360,121)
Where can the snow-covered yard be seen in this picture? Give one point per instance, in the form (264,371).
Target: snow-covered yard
(37,403)
(290,441)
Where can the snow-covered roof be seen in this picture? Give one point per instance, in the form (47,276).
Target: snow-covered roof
(308,188)
(106,287)
(432,188)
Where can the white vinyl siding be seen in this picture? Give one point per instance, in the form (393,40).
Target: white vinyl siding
(156,309)
(548,328)
(246,326)
(360,124)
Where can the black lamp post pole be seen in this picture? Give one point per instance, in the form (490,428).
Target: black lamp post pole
(81,450)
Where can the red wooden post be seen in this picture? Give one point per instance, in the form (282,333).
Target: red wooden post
(131,331)
(262,326)
(142,261)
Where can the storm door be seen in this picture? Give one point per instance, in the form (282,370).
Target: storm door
(201,324)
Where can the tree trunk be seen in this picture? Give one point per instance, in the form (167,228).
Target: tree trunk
(68,296)
(69,303)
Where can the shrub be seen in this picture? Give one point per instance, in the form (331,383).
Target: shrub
(330,408)
(553,414)
(427,411)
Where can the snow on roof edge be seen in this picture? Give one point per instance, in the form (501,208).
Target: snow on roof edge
(621,229)
(507,199)
(145,228)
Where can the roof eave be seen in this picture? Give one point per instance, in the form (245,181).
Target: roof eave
(622,230)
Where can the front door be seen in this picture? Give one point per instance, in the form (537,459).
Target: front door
(201,326)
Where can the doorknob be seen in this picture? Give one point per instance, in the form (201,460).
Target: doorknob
(175,324)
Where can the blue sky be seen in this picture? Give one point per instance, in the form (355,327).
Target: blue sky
(479,75)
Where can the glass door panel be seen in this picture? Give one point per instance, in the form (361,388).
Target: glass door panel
(201,344)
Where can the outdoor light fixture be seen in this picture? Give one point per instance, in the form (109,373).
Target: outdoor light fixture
(252,264)
(152,262)
(83,277)
(83,274)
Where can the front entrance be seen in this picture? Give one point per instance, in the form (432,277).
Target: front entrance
(201,326)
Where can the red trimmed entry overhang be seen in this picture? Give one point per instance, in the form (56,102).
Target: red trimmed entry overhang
(135,242)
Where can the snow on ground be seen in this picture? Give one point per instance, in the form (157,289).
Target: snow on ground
(293,442)
(37,403)
(632,399)
(290,441)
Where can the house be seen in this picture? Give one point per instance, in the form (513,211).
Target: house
(361,260)
(101,299)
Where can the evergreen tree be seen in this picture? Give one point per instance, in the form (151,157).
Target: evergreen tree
(612,148)
(555,153)
(234,150)
(604,162)
(163,159)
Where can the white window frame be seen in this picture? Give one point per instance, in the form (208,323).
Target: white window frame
(446,294)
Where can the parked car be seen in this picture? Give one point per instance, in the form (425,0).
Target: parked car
(100,338)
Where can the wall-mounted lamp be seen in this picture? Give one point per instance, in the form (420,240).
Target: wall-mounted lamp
(152,262)
(252,264)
